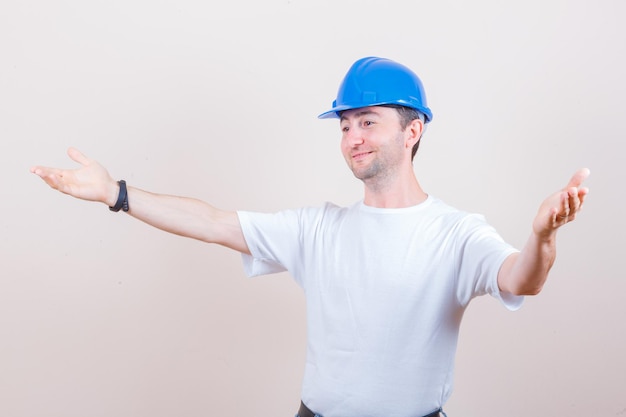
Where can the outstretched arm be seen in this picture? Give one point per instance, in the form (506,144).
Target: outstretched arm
(179,215)
(525,273)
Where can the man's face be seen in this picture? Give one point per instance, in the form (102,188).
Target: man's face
(373,142)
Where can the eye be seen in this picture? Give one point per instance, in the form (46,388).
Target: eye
(344,129)
(368,123)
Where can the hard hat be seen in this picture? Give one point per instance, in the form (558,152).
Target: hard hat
(376,81)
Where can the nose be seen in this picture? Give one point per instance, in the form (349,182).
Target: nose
(353,136)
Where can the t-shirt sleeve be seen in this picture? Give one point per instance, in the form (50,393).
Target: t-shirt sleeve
(481,252)
(273,241)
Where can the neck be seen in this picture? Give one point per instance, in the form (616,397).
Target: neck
(398,193)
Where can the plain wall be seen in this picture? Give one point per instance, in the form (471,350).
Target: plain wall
(103,316)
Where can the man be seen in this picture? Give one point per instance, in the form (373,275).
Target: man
(387,279)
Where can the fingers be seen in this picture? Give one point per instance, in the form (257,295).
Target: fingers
(578,178)
(78,156)
(574,195)
(570,204)
(51,176)
(562,207)
(569,201)
(55,177)
(45,172)
(582,194)
(73,153)
(560,212)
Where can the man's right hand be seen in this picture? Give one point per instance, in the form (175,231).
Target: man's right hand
(91,181)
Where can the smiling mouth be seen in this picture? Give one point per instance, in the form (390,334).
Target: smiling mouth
(360,155)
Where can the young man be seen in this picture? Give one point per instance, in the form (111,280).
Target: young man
(387,279)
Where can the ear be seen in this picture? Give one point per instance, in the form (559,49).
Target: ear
(414,132)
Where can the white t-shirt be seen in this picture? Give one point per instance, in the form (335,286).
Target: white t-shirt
(385,293)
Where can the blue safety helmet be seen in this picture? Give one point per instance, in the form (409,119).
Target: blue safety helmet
(376,81)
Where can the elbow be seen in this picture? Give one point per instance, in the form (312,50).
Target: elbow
(528,290)
(531,292)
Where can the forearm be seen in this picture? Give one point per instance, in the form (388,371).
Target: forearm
(187,217)
(526,272)
(179,215)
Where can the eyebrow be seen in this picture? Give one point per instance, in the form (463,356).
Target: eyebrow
(359,114)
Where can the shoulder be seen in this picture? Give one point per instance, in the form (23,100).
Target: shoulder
(459,222)
(440,209)
(306,214)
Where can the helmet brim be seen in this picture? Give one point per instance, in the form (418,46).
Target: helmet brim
(334,113)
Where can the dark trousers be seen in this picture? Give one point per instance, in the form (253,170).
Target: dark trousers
(305,412)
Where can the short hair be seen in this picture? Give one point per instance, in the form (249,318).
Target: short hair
(407,115)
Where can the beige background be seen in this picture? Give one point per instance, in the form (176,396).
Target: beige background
(102,316)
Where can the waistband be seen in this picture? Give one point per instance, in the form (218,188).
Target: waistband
(304,411)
